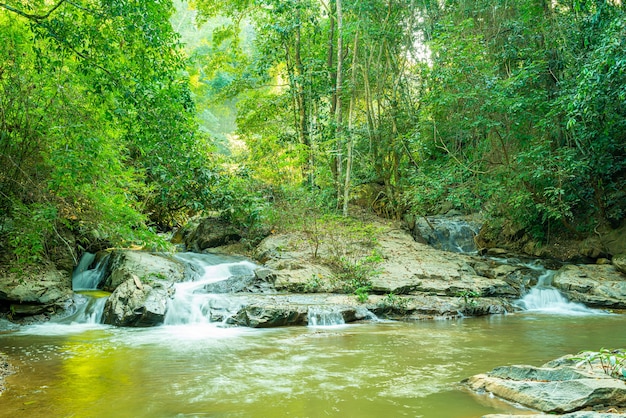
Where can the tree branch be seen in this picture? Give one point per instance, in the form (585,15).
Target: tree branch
(30,16)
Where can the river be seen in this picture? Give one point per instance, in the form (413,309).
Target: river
(371,369)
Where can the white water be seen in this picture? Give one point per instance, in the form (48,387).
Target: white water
(191,304)
(319,316)
(543,298)
(89,309)
(84,278)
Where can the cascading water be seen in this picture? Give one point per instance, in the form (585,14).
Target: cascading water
(458,236)
(544,298)
(192,303)
(85,278)
(319,316)
(88,301)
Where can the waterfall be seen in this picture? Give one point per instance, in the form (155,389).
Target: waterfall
(544,298)
(192,303)
(85,278)
(88,301)
(324,316)
(89,308)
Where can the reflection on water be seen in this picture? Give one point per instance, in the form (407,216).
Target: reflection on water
(365,370)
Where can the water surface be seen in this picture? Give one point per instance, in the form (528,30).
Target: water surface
(366,370)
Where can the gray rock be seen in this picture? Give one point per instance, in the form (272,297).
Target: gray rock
(615,241)
(267,316)
(600,286)
(36,292)
(123,264)
(561,389)
(210,233)
(136,304)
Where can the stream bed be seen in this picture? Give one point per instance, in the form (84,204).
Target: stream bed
(371,369)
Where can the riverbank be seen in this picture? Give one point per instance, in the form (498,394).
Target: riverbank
(335,264)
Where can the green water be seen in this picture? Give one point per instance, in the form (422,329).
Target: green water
(384,369)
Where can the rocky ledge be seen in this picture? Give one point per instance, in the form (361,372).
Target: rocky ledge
(405,279)
(580,386)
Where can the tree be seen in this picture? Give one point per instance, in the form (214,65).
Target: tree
(96,124)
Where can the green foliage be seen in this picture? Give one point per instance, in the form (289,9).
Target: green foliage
(362,293)
(96,126)
(394,303)
(612,362)
(469,298)
(241,201)
(522,120)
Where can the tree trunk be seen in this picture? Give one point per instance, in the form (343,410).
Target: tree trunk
(338,108)
(346,187)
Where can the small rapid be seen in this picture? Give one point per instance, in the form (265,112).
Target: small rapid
(325,317)
(543,298)
(193,303)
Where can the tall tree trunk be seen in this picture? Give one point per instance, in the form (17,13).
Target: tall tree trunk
(338,108)
(346,187)
(299,82)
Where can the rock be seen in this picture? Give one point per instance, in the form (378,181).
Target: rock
(563,388)
(615,241)
(137,306)
(406,268)
(37,291)
(592,247)
(580,414)
(210,233)
(619,261)
(449,233)
(259,281)
(600,286)
(266,316)
(123,264)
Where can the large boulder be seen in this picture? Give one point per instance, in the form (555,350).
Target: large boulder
(449,233)
(562,386)
(124,264)
(35,291)
(260,281)
(600,286)
(615,241)
(210,233)
(267,316)
(137,304)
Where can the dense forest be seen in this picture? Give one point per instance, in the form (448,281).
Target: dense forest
(119,120)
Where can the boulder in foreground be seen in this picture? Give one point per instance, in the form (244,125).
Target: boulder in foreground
(565,385)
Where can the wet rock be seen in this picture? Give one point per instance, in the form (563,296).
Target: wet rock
(556,387)
(137,304)
(35,292)
(260,281)
(123,264)
(600,286)
(267,316)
